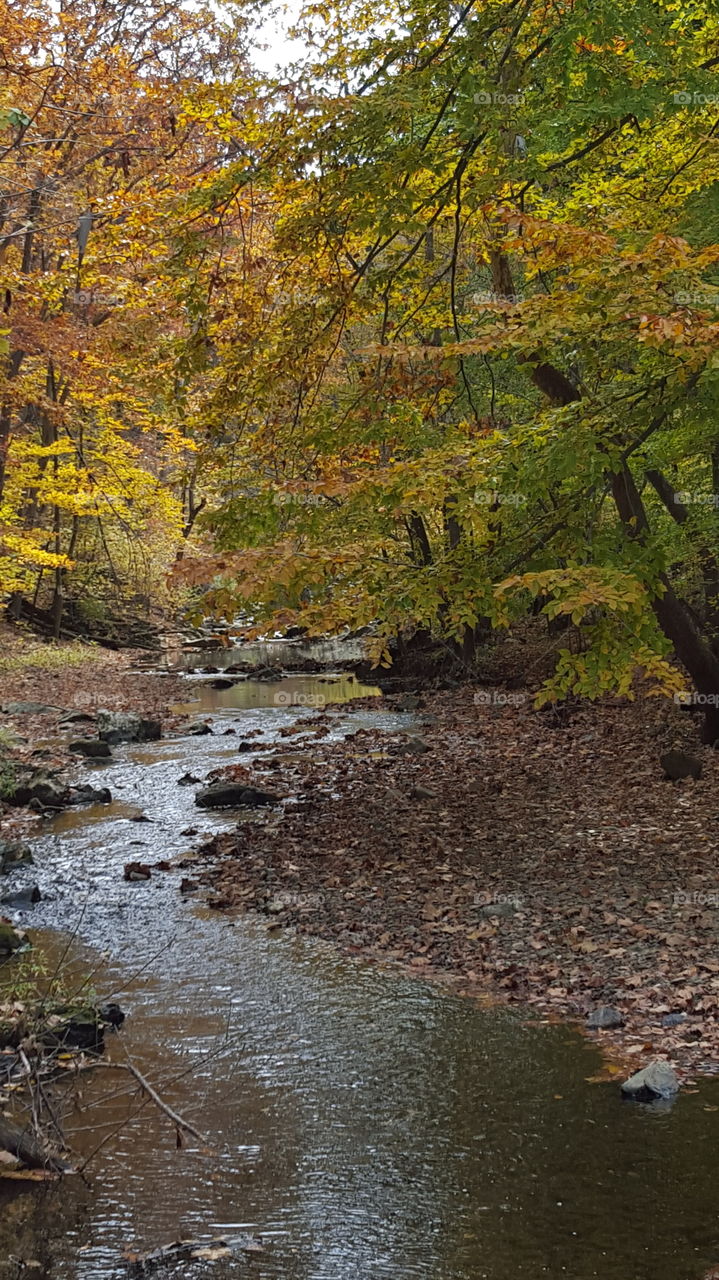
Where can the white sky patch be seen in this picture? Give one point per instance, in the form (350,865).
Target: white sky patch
(280,50)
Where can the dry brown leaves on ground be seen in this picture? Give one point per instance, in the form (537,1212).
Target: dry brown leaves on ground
(537,857)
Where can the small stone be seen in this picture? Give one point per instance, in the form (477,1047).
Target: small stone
(136,871)
(221,683)
(91,748)
(408,702)
(673,1019)
(658,1080)
(199,730)
(605,1018)
(677,765)
(422,793)
(11,940)
(187,780)
(90,795)
(127,726)
(23,899)
(414,747)
(233,795)
(40,791)
(12,853)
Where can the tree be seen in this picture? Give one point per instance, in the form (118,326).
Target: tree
(473,361)
(96,148)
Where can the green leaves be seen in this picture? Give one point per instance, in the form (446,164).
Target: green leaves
(13,118)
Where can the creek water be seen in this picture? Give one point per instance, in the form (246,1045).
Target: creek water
(359,1124)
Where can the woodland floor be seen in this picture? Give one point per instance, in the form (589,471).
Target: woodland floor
(538,858)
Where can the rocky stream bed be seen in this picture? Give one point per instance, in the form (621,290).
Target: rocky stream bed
(355,1121)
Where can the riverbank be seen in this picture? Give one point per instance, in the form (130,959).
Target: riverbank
(539,859)
(50,695)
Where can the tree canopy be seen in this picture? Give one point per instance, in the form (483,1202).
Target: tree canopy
(419,335)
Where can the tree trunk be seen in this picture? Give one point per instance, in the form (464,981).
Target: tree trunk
(671,613)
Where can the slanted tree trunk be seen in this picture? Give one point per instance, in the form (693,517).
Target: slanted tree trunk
(672,613)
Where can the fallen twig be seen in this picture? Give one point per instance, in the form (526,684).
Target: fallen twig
(178,1120)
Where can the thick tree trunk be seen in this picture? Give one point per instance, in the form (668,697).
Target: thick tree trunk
(671,613)
(707,560)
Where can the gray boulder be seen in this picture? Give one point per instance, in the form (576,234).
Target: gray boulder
(230,795)
(22,899)
(499,908)
(127,726)
(91,748)
(29,708)
(677,765)
(90,795)
(11,940)
(605,1018)
(12,853)
(658,1080)
(40,791)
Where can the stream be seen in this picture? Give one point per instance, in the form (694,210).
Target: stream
(358,1124)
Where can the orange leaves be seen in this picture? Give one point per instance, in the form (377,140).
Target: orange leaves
(617,46)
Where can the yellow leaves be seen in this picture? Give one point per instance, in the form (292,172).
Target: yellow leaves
(578,590)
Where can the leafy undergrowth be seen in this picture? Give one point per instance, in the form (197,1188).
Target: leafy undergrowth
(22,654)
(536,857)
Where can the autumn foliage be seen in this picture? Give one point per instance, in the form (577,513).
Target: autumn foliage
(424,330)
